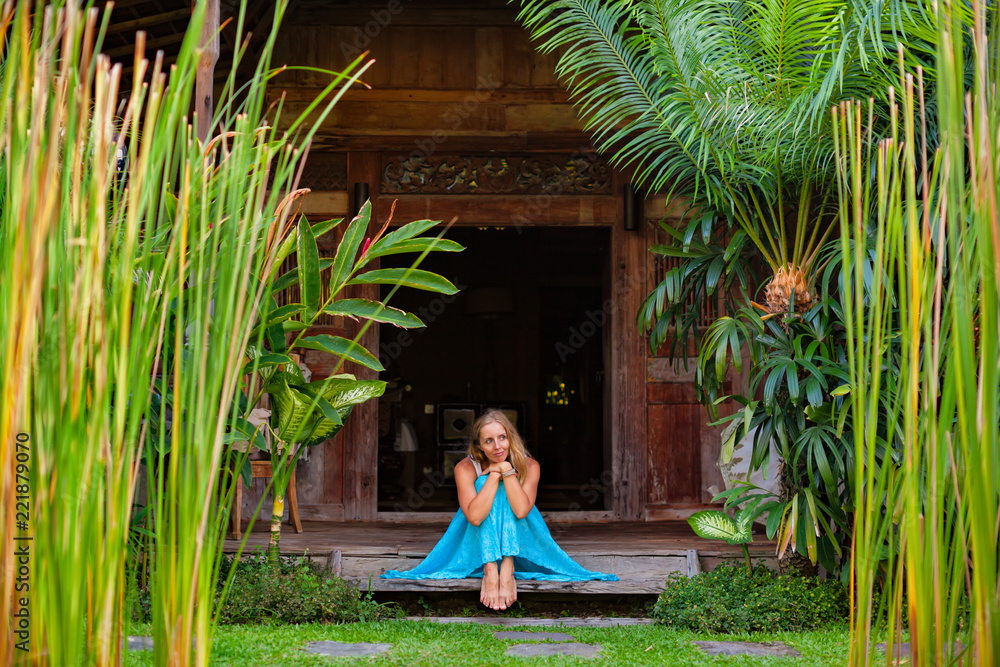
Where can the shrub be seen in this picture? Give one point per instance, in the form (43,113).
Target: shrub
(727,600)
(289,591)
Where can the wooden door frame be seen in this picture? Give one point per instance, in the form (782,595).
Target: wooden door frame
(625,425)
(624,344)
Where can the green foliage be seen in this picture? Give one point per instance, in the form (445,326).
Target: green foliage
(289,591)
(726,600)
(717,525)
(309,413)
(795,400)
(711,262)
(295,592)
(727,103)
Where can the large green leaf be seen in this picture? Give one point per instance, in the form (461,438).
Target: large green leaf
(290,412)
(339,394)
(378,249)
(717,525)
(373,310)
(415,278)
(407,231)
(342,348)
(347,251)
(309,272)
(344,392)
(266,360)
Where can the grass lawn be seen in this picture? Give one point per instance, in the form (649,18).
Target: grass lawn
(426,643)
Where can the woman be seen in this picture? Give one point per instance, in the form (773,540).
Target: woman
(498,521)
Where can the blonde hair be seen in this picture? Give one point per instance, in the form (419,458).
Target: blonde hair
(518,455)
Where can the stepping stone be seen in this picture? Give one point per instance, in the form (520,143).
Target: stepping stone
(137,643)
(545,650)
(521,634)
(346,649)
(903,650)
(748,648)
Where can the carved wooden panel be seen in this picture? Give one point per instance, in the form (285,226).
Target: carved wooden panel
(535,174)
(325,171)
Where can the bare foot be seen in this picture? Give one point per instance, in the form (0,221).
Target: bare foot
(507,589)
(488,593)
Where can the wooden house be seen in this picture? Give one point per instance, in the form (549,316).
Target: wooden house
(463,121)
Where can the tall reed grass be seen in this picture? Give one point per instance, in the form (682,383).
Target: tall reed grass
(927,470)
(114,284)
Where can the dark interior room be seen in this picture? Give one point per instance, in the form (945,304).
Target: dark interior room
(525,334)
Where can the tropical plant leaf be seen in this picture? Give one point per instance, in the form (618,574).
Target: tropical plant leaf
(375,311)
(413,245)
(309,273)
(266,360)
(347,251)
(341,347)
(416,278)
(717,525)
(290,412)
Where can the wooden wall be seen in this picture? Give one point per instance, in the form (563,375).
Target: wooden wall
(683,447)
(445,76)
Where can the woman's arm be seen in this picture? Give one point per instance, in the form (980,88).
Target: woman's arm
(521,492)
(476,506)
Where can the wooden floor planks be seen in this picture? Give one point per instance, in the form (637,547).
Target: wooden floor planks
(662,538)
(642,554)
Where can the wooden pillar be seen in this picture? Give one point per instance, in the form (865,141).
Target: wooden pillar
(627,376)
(204,105)
(361,430)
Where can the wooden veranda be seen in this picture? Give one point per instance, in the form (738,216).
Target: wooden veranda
(642,554)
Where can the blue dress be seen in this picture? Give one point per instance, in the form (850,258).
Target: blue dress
(464,548)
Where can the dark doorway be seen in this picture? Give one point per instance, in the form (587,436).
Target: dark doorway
(525,334)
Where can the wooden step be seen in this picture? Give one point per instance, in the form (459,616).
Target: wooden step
(640,574)
(642,554)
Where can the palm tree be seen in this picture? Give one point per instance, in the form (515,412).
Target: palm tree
(726,103)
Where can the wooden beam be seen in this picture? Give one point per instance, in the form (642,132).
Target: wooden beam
(627,368)
(151,45)
(396,95)
(146,21)
(361,430)
(504,210)
(376,18)
(405,142)
(205,78)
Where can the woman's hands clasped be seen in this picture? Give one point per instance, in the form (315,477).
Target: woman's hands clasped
(501,467)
